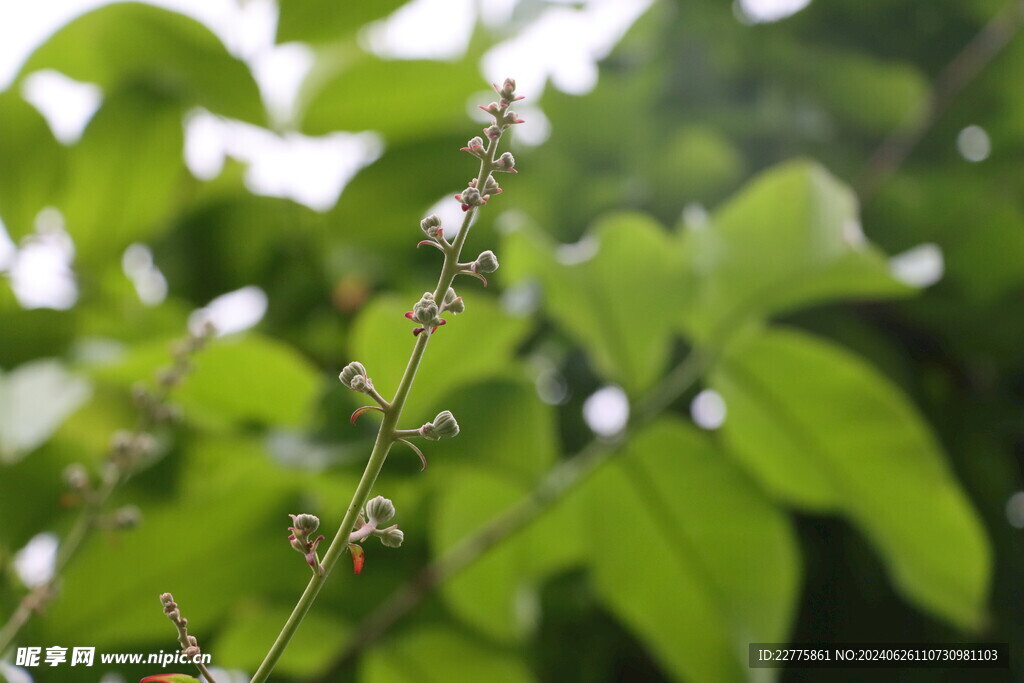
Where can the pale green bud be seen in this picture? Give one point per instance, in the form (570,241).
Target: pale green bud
(350,372)
(486,262)
(444,426)
(379,511)
(391,537)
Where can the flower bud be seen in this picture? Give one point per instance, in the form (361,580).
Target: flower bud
(391,537)
(492,186)
(493,131)
(304,524)
(486,262)
(494,109)
(361,383)
(379,511)
(453,302)
(510,118)
(352,375)
(76,477)
(506,162)
(425,310)
(431,226)
(127,517)
(443,426)
(507,92)
(475,146)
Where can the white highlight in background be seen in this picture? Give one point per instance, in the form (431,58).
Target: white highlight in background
(974,144)
(66,104)
(708,409)
(41,274)
(232,312)
(765,11)
(35,563)
(921,266)
(606,411)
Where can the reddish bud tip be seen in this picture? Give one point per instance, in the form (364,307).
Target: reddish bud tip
(358,557)
(410,315)
(417,331)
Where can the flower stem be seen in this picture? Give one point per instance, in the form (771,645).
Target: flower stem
(386,436)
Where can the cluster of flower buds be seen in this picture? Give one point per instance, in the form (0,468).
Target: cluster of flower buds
(304,526)
(378,512)
(190,646)
(427,313)
(452,302)
(471,197)
(443,426)
(354,377)
(431,227)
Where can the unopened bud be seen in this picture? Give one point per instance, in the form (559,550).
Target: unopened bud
(475,146)
(379,511)
(486,262)
(506,162)
(425,310)
(492,131)
(431,226)
(76,477)
(350,373)
(304,524)
(127,517)
(510,118)
(391,537)
(453,302)
(444,426)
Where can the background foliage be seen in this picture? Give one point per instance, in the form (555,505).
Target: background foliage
(856,491)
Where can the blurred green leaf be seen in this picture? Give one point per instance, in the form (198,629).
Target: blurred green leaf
(132,43)
(35,398)
(504,428)
(791,238)
(233,498)
(491,593)
(676,531)
(601,300)
(33,164)
(470,348)
(437,654)
(822,429)
(323,21)
(125,175)
(246,378)
(244,642)
(399,99)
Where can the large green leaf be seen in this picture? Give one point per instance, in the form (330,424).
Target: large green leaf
(438,654)
(326,21)
(689,554)
(490,593)
(790,239)
(35,398)
(32,166)
(247,378)
(472,347)
(125,175)
(133,43)
(399,99)
(823,430)
(618,304)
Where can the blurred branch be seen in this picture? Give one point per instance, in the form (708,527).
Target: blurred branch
(127,451)
(957,75)
(560,480)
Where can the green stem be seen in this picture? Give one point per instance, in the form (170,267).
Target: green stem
(382,445)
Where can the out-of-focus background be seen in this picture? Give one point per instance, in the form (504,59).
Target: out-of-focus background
(762,265)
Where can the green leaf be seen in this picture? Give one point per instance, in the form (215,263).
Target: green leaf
(788,240)
(602,301)
(689,554)
(244,642)
(489,593)
(246,378)
(32,170)
(35,398)
(470,348)
(324,21)
(822,429)
(123,186)
(133,43)
(438,654)
(399,99)
(504,428)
